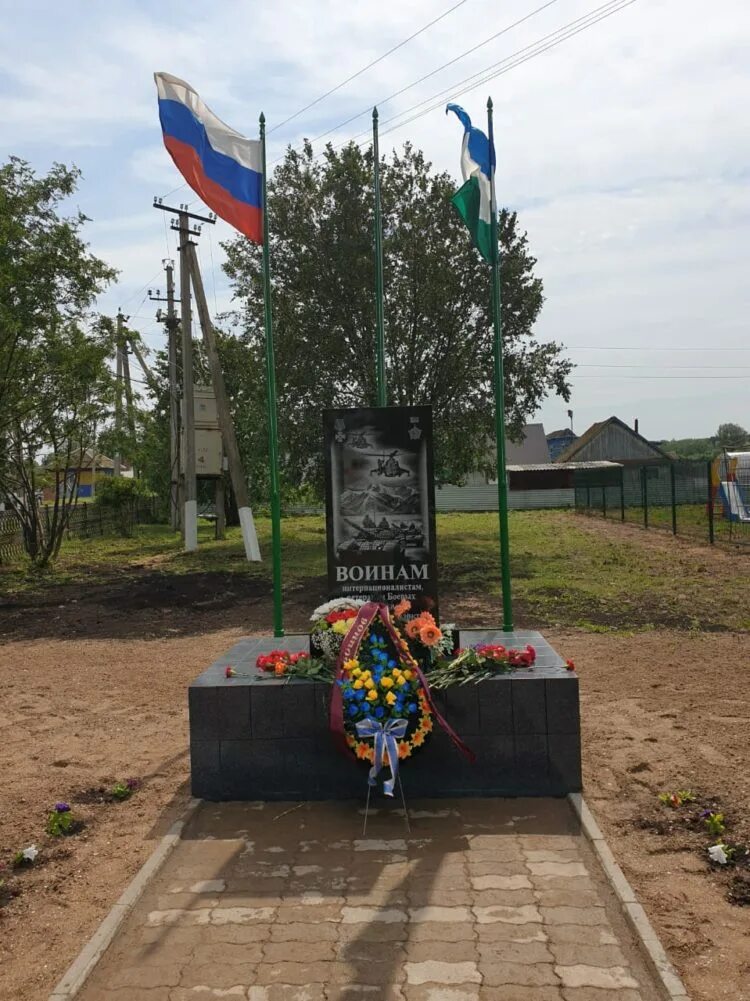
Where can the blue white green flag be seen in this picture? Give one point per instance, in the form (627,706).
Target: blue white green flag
(473,201)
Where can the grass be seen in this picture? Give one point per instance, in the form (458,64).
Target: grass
(567,570)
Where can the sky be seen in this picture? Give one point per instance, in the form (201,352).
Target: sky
(624,150)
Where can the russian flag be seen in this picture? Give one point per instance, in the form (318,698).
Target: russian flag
(219,164)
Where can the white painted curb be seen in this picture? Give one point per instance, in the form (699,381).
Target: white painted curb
(77,973)
(634,913)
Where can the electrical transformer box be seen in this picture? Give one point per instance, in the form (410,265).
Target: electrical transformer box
(208,452)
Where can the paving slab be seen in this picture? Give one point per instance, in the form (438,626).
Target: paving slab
(480,900)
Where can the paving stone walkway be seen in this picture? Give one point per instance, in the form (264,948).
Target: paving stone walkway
(485,900)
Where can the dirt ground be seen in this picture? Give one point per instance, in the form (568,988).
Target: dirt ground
(94,690)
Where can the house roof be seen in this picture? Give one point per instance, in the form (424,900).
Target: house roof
(533,447)
(562,433)
(84,461)
(543,466)
(569,454)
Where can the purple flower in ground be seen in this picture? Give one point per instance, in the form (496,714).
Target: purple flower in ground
(62,807)
(133,783)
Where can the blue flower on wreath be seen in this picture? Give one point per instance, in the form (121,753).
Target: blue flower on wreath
(391,663)
(379,712)
(353,710)
(412,707)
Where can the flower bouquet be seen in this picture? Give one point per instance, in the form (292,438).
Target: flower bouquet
(480,662)
(330,623)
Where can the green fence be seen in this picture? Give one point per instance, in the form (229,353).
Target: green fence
(671,496)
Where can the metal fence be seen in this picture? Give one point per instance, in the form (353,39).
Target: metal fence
(675,497)
(86,522)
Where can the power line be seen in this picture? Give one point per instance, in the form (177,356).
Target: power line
(730,368)
(517,58)
(138,292)
(369,66)
(601,347)
(434,72)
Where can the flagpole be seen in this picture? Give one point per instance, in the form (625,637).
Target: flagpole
(380,374)
(273,445)
(502,483)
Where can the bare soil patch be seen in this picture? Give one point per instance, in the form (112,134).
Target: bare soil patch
(94,676)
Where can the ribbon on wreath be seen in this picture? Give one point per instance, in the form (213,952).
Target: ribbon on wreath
(385,746)
(349,649)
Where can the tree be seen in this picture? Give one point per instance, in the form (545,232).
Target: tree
(691,448)
(732,436)
(55,386)
(437,307)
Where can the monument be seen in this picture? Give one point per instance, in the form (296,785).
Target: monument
(380,505)
(255,736)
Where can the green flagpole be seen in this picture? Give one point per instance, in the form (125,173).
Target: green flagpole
(380,376)
(273,434)
(502,485)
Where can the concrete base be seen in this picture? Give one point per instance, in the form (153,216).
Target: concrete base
(256,737)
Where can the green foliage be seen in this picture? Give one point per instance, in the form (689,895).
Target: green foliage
(437,309)
(123,790)
(55,386)
(60,822)
(715,824)
(677,799)
(733,437)
(691,448)
(119,496)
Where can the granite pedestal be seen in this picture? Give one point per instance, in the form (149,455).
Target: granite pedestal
(255,737)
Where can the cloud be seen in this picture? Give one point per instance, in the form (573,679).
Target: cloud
(624,149)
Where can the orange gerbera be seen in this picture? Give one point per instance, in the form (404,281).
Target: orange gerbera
(413,627)
(430,634)
(428,617)
(417,739)
(402,607)
(403,749)
(363,751)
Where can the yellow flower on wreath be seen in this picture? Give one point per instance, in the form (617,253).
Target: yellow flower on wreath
(341,627)
(369,684)
(358,684)
(390,698)
(372,695)
(408,674)
(351,665)
(386,682)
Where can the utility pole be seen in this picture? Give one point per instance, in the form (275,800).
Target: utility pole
(190,510)
(172,323)
(118,393)
(133,346)
(129,411)
(249,536)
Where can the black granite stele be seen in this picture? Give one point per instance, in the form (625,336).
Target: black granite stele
(255,737)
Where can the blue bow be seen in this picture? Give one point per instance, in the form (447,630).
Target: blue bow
(385,745)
